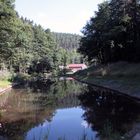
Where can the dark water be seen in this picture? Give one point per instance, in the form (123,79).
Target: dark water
(66,110)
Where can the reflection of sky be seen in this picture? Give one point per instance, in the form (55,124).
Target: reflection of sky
(67,123)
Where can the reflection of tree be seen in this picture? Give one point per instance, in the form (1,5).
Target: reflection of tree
(66,87)
(65,92)
(22,112)
(40,85)
(14,130)
(25,109)
(102,107)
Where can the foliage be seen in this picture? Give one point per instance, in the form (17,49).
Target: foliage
(24,46)
(68,45)
(5,76)
(27,48)
(113,34)
(21,78)
(4,84)
(67,41)
(7,32)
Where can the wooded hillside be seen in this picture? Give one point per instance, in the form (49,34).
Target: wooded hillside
(66,40)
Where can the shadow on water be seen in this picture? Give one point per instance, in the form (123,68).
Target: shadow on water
(110,114)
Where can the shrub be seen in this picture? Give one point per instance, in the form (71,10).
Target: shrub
(5,76)
(21,78)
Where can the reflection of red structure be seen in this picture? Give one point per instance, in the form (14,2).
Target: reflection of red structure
(76,67)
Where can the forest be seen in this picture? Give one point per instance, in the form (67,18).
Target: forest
(66,40)
(113,34)
(28,49)
(68,44)
(23,44)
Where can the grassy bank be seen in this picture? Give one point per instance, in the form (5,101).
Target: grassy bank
(5,78)
(4,84)
(121,76)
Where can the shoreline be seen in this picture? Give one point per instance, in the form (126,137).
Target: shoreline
(2,90)
(134,133)
(111,87)
(8,87)
(121,76)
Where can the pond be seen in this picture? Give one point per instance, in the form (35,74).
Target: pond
(66,110)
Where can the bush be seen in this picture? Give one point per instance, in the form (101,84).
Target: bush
(21,78)
(5,76)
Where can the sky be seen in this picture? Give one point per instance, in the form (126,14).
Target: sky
(68,16)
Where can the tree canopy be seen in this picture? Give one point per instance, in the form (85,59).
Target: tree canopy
(113,34)
(24,46)
(68,45)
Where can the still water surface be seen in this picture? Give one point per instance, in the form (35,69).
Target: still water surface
(66,124)
(65,110)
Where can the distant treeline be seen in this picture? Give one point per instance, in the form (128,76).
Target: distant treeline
(66,40)
(113,34)
(68,44)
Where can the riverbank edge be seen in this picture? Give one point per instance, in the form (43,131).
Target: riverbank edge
(8,87)
(2,90)
(132,134)
(135,97)
(120,76)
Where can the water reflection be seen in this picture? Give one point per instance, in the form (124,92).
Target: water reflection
(67,123)
(23,109)
(65,110)
(110,114)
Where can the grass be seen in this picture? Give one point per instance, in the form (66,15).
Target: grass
(121,76)
(4,84)
(5,77)
(120,69)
